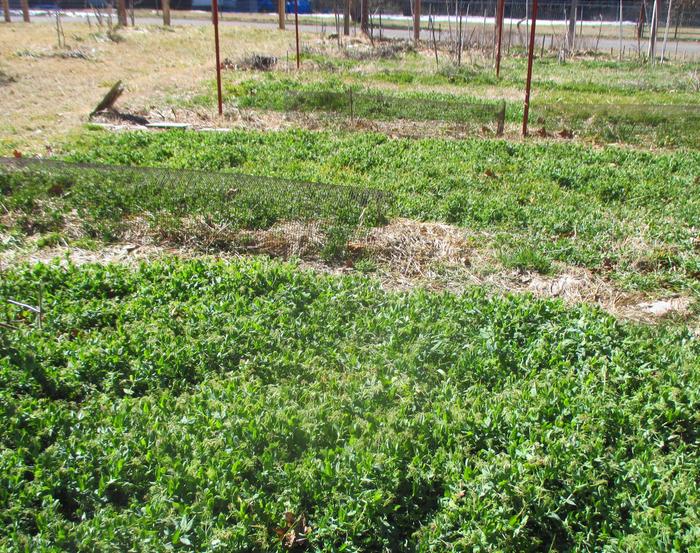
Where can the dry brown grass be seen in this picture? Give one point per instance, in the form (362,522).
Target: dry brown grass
(47,97)
(205,118)
(407,254)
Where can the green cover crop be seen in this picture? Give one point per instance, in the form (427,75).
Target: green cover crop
(193,406)
(630,215)
(106,203)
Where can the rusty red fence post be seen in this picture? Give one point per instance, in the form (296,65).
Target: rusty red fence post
(500,15)
(296,28)
(215,19)
(530,54)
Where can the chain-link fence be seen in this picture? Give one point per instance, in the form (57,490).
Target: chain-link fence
(198,209)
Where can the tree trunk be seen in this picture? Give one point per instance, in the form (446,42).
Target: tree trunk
(166,13)
(281,14)
(121,13)
(364,16)
(571,35)
(678,21)
(346,17)
(6,9)
(25,10)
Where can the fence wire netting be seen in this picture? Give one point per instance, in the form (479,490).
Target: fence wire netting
(375,105)
(672,124)
(665,124)
(200,209)
(682,14)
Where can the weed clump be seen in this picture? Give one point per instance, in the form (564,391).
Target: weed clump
(192,402)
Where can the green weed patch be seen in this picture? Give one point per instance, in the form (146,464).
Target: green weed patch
(103,203)
(200,406)
(605,209)
(600,101)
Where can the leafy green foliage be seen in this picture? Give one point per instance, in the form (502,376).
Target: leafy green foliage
(190,405)
(604,209)
(106,200)
(606,101)
(527,258)
(333,96)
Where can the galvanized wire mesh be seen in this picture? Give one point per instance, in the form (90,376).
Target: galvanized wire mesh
(675,124)
(375,105)
(672,124)
(202,209)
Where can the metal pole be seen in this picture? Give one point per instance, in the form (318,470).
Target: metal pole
(6,10)
(500,15)
(215,18)
(296,28)
(530,54)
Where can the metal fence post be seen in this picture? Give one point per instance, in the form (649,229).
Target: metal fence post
(215,20)
(499,30)
(296,28)
(530,55)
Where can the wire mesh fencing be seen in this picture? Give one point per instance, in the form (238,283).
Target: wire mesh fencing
(375,105)
(379,106)
(672,125)
(212,211)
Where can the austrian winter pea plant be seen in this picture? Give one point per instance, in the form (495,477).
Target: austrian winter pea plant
(630,215)
(197,406)
(212,210)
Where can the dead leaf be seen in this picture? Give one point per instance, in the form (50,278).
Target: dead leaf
(566,133)
(295,535)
